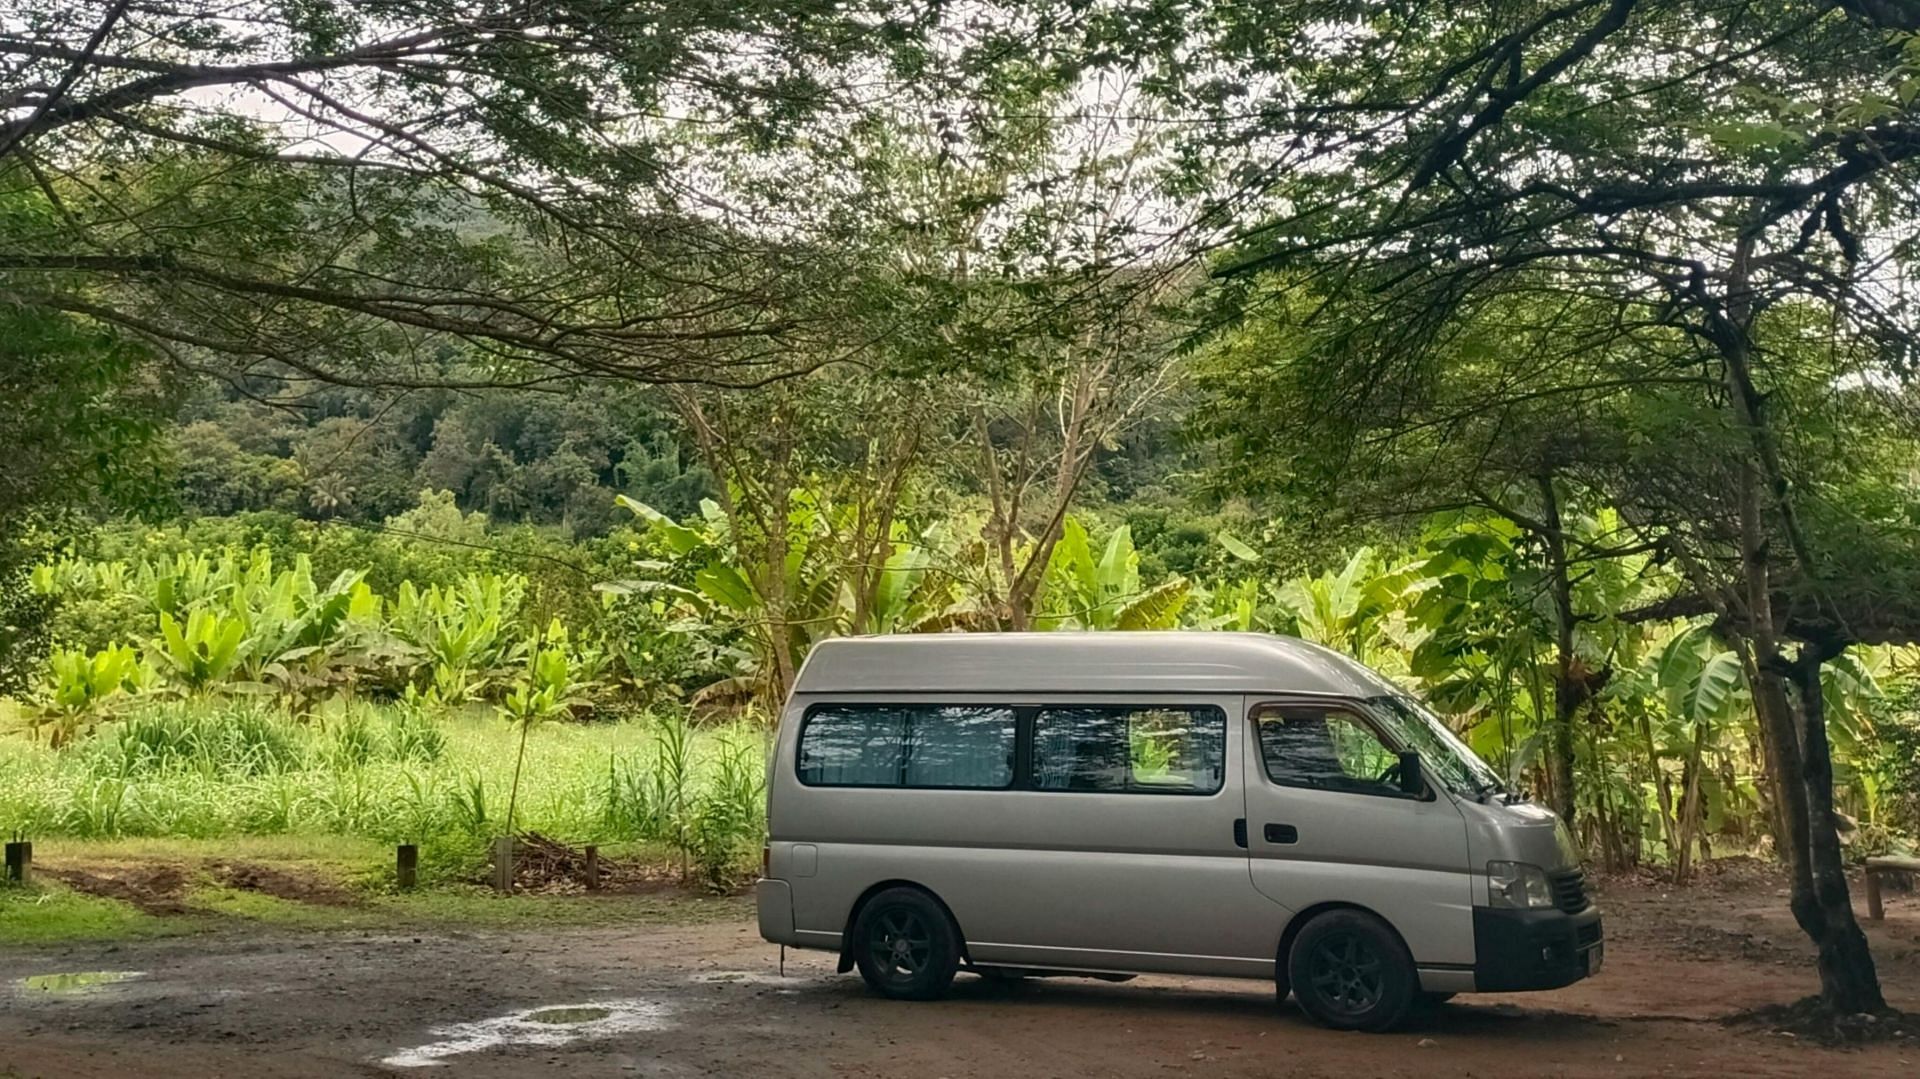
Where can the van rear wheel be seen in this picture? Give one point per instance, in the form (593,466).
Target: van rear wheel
(905,945)
(1349,971)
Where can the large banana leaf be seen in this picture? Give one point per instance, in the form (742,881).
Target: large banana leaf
(1158,608)
(1720,686)
(727,586)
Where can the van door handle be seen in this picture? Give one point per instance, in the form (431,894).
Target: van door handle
(1240,833)
(1282,833)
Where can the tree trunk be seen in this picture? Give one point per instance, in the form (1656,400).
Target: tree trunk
(1663,787)
(1003,511)
(1848,981)
(1689,805)
(1025,591)
(1798,753)
(773,585)
(1569,686)
(1761,657)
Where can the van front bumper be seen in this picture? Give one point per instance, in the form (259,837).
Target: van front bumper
(774,898)
(1517,950)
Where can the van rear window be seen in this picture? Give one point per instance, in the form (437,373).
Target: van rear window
(914,745)
(1135,749)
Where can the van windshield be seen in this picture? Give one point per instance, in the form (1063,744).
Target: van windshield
(1441,751)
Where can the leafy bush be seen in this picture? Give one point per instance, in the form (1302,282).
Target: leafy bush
(83,686)
(1891,772)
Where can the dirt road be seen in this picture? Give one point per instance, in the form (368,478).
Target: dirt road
(709,1000)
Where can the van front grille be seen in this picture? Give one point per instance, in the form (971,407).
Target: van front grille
(1569,890)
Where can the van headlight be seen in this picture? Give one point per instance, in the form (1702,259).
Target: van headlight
(1518,886)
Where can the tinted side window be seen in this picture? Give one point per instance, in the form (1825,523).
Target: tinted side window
(1324,748)
(1160,750)
(921,745)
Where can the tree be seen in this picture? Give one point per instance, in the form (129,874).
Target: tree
(355,468)
(834,451)
(214,475)
(1015,220)
(1511,412)
(81,423)
(1700,168)
(343,190)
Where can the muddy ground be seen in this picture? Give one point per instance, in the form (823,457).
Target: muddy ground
(709,1000)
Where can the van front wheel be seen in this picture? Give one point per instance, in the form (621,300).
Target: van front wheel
(1349,971)
(905,945)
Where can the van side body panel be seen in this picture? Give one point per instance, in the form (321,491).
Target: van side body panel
(1058,879)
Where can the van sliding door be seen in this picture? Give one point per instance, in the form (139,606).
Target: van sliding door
(1327,823)
(1122,847)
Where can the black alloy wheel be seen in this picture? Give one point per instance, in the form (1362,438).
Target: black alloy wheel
(905,945)
(1346,974)
(1350,971)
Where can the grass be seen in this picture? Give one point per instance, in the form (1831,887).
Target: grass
(230,769)
(53,914)
(346,854)
(191,783)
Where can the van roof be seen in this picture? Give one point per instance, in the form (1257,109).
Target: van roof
(1068,662)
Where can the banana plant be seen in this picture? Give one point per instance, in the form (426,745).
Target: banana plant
(462,630)
(550,688)
(1235,604)
(704,583)
(1348,610)
(176,585)
(288,618)
(1105,592)
(1704,689)
(80,578)
(86,686)
(204,650)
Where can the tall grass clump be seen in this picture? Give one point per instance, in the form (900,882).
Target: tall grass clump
(406,771)
(228,738)
(708,805)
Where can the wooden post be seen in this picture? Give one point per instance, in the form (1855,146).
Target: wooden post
(1874,911)
(406,865)
(20,861)
(593,867)
(503,864)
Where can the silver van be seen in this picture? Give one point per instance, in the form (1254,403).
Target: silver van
(1222,804)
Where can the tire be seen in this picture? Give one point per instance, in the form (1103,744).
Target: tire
(905,945)
(1350,971)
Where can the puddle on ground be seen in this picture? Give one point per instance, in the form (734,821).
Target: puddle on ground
(543,1027)
(567,1015)
(77,982)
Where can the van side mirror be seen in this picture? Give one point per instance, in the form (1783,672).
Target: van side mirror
(1411,781)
